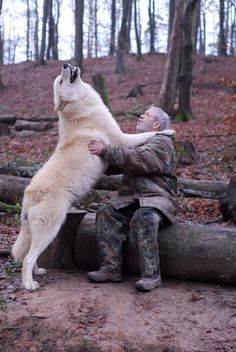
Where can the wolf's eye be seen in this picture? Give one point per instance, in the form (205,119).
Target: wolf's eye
(61,82)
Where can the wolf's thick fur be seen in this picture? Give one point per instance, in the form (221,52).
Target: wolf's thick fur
(70,172)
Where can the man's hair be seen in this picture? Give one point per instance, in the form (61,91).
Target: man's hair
(161,117)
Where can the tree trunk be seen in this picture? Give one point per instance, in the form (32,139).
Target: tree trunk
(44,29)
(171,72)
(202,36)
(152,25)
(185,77)
(52,51)
(187,251)
(36,38)
(55,54)
(12,187)
(79,14)
(129,22)
(113,28)
(232,31)
(90,29)
(28,30)
(171,19)
(1,46)
(195,24)
(96,28)
(222,45)
(122,39)
(137,36)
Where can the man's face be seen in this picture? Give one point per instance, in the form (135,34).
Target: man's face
(147,122)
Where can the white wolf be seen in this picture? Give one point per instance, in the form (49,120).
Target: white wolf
(70,172)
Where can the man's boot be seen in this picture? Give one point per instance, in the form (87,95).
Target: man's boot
(104,275)
(148,283)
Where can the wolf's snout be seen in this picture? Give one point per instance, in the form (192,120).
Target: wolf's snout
(65,66)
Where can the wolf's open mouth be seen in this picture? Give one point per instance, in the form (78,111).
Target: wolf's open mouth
(73,74)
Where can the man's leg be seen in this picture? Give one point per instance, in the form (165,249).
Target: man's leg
(143,229)
(112,227)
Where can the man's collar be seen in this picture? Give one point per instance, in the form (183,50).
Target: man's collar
(168,133)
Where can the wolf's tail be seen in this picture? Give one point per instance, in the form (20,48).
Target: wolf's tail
(22,244)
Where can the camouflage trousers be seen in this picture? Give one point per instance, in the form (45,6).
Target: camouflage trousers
(137,224)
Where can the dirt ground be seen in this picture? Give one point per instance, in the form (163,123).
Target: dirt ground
(70,314)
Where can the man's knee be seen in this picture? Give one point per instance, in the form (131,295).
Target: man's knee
(147,214)
(104,211)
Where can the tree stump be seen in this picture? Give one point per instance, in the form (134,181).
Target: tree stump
(60,253)
(100,87)
(185,153)
(4,130)
(228,202)
(135,91)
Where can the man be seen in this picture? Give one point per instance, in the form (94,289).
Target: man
(147,199)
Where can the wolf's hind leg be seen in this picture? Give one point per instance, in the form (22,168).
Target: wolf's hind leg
(38,245)
(43,231)
(39,271)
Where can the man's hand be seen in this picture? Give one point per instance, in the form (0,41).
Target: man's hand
(95,147)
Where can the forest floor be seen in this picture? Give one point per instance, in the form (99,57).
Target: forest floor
(70,314)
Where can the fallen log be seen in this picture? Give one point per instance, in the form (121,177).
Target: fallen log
(41,126)
(12,187)
(187,251)
(17,170)
(186,187)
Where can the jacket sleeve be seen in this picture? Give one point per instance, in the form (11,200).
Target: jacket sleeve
(152,157)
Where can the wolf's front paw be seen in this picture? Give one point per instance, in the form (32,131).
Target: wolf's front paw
(40,271)
(33,285)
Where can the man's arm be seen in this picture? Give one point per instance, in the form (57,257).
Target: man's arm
(149,158)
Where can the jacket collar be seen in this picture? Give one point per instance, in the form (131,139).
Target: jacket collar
(168,133)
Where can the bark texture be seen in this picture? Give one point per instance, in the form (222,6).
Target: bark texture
(171,72)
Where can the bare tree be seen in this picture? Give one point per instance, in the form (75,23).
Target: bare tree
(36,28)
(191,11)
(137,35)
(96,27)
(44,29)
(171,72)
(79,14)
(232,32)
(195,24)
(1,46)
(202,30)
(122,39)
(171,18)
(113,28)
(152,24)
(1,36)
(222,45)
(90,29)
(52,49)
(129,21)
(28,30)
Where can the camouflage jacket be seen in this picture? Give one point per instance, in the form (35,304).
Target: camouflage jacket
(149,174)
